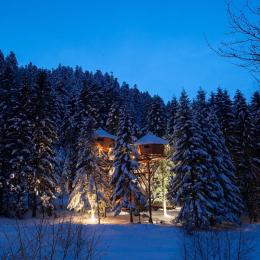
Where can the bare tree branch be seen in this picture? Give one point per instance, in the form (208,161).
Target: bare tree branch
(244,47)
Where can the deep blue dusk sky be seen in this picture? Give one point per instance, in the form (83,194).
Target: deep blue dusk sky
(159,45)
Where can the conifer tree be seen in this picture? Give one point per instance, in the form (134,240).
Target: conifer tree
(91,102)
(8,89)
(113,118)
(243,153)
(21,144)
(126,192)
(160,183)
(232,205)
(255,114)
(225,114)
(43,179)
(193,185)
(86,194)
(157,117)
(172,110)
(220,166)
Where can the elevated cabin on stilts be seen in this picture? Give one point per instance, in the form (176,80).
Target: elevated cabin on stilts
(150,148)
(104,140)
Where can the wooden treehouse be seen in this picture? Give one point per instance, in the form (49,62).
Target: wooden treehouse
(150,148)
(104,140)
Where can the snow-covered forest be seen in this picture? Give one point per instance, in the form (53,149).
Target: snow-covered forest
(47,153)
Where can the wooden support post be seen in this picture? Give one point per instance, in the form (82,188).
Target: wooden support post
(149,192)
(131,210)
(97,200)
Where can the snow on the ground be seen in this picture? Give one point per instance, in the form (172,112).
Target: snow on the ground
(133,241)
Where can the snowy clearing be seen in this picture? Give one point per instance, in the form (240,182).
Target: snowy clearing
(129,241)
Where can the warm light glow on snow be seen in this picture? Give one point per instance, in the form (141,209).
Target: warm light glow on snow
(93,218)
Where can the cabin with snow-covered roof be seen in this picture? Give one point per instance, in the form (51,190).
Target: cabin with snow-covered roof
(151,144)
(104,140)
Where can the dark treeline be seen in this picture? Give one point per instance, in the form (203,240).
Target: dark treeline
(43,113)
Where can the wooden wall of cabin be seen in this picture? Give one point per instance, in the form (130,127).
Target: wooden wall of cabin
(151,149)
(105,143)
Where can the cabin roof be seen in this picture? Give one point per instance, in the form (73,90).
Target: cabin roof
(104,134)
(150,138)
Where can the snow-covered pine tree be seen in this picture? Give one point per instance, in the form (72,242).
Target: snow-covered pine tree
(8,86)
(191,185)
(91,102)
(243,153)
(61,101)
(113,118)
(19,136)
(157,117)
(126,192)
(2,63)
(224,111)
(255,112)
(222,164)
(211,100)
(88,185)
(171,115)
(86,165)
(43,180)
(2,178)
(160,183)
(88,105)
(110,87)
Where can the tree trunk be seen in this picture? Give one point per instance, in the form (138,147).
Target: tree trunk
(34,206)
(131,216)
(164,198)
(131,210)
(97,201)
(149,193)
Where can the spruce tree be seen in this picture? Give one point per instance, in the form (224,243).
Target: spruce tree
(255,114)
(43,180)
(20,141)
(113,118)
(8,90)
(160,183)
(192,185)
(172,110)
(224,110)
(157,117)
(232,206)
(86,193)
(126,192)
(243,153)
(220,166)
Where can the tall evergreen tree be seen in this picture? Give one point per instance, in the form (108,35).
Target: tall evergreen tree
(86,194)
(221,162)
(172,110)
(220,166)
(43,179)
(157,117)
(126,192)
(190,186)
(8,89)
(160,183)
(255,112)
(224,110)
(243,152)
(113,118)
(21,144)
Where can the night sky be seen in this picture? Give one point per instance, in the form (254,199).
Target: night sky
(158,45)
